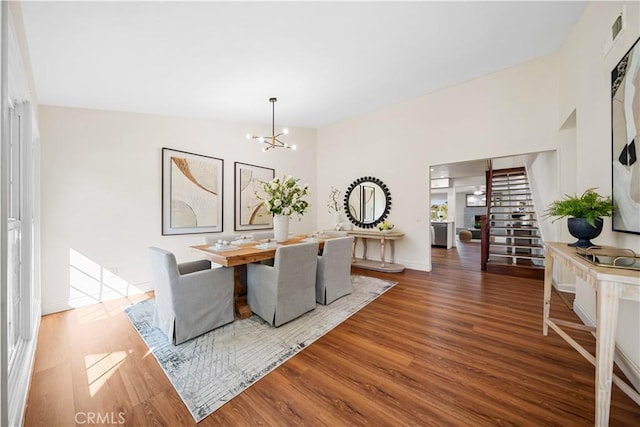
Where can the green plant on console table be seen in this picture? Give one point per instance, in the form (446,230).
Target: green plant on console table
(589,206)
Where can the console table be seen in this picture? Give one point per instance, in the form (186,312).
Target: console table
(383,238)
(611,285)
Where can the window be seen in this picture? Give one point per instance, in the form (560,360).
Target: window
(14,228)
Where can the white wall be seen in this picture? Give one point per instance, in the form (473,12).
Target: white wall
(585,88)
(101,192)
(542,172)
(502,114)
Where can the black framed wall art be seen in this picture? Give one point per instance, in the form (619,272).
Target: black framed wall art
(192,186)
(250,213)
(625,137)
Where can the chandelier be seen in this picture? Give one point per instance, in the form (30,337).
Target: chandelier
(272,141)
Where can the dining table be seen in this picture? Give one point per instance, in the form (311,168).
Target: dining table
(243,251)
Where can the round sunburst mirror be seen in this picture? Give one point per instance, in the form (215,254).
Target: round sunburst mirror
(367,202)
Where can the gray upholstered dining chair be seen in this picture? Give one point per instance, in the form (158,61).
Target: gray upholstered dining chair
(286,290)
(333,277)
(191,298)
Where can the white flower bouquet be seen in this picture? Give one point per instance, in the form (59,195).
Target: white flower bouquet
(284,196)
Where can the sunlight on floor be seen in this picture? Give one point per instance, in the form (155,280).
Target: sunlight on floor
(92,314)
(100,367)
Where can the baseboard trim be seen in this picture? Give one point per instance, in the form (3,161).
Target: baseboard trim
(583,314)
(628,366)
(416,266)
(630,369)
(565,287)
(407,264)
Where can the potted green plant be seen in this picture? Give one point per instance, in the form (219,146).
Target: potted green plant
(584,214)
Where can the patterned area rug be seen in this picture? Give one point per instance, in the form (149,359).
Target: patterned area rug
(210,370)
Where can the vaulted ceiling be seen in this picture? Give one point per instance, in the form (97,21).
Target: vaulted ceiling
(324,61)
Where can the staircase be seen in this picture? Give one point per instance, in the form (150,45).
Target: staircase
(511,238)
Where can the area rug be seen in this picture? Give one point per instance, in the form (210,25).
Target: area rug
(210,370)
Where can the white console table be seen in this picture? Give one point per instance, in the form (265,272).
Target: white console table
(383,238)
(611,285)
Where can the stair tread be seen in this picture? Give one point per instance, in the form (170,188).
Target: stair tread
(511,224)
(515,244)
(515,220)
(511,245)
(515,227)
(509,171)
(511,217)
(510,212)
(502,262)
(508,215)
(516,255)
(517,237)
(509,182)
(519,183)
(509,186)
(512,177)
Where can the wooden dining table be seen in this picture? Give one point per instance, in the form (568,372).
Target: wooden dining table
(241,252)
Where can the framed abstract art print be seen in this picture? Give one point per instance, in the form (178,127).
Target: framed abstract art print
(250,213)
(191,193)
(625,137)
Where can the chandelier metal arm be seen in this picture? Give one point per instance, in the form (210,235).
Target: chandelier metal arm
(272,141)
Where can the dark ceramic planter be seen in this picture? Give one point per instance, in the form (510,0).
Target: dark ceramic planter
(583,231)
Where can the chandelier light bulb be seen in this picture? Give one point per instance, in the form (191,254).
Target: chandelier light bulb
(261,139)
(293,147)
(285,131)
(249,136)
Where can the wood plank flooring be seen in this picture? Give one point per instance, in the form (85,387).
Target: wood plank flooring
(454,347)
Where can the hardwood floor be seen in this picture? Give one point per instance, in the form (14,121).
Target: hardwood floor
(454,347)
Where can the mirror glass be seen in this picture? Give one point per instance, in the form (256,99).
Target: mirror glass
(367,202)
